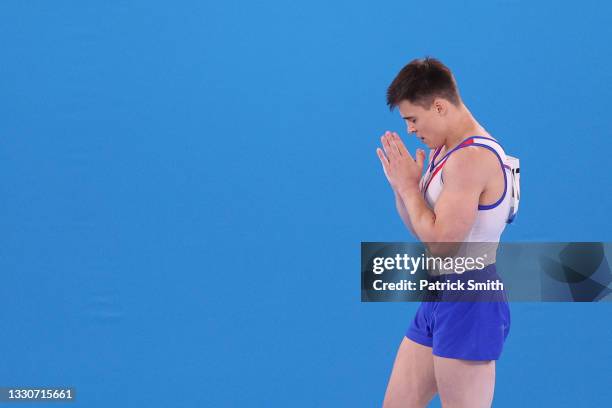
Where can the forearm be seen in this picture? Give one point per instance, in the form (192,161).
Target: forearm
(401,209)
(420,216)
(423,221)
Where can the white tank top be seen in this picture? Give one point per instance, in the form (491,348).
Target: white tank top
(491,219)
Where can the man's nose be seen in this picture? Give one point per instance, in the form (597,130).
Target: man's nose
(411,129)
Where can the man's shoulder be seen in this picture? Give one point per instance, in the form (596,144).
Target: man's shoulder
(471,161)
(472,156)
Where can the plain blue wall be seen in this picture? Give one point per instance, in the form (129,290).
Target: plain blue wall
(185,187)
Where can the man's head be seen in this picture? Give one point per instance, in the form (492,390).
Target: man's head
(427,97)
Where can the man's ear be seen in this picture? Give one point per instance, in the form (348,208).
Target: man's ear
(440,106)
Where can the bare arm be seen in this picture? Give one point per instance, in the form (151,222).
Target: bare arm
(401,207)
(403,213)
(399,202)
(455,212)
(457,206)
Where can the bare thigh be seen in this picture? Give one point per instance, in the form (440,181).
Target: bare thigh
(465,383)
(412,383)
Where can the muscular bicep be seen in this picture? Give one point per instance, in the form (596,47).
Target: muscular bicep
(457,205)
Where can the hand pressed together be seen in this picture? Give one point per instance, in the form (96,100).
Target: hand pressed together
(402,171)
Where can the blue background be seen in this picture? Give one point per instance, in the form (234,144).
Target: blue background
(185,187)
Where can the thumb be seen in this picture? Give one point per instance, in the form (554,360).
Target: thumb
(420,158)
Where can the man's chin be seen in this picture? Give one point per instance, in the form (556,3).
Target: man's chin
(431,144)
(428,144)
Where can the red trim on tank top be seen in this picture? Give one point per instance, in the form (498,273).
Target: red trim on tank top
(444,159)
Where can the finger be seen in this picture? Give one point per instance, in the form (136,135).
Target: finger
(420,158)
(382,157)
(390,151)
(393,142)
(386,144)
(400,145)
(383,160)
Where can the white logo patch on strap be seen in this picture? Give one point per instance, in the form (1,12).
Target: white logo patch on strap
(515,188)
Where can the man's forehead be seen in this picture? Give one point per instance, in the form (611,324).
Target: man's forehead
(409,110)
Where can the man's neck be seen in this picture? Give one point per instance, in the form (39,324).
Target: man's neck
(466,126)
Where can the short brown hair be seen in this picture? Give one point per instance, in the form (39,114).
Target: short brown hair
(420,82)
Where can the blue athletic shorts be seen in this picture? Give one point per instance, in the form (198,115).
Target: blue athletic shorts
(467,325)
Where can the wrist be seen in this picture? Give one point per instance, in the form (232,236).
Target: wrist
(408,189)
